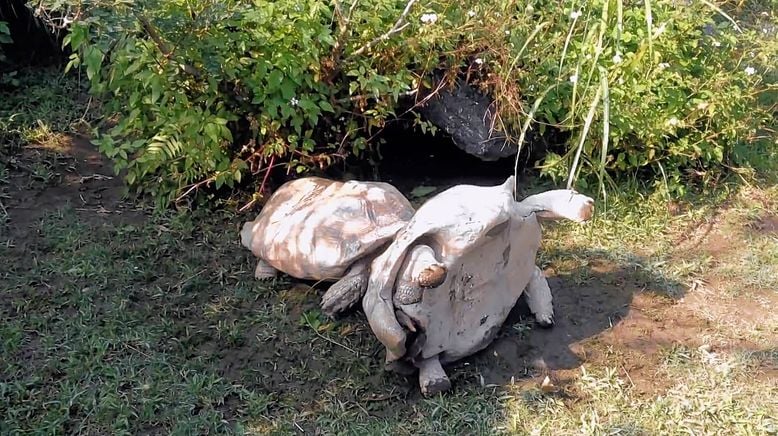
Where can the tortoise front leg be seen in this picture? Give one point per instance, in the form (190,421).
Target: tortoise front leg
(264,271)
(432,377)
(420,270)
(539,299)
(347,291)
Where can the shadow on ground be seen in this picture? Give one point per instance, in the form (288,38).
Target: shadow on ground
(588,301)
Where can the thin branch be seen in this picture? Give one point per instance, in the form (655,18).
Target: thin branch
(351,10)
(163,47)
(343,25)
(332,341)
(398,27)
(354,98)
(195,186)
(339,15)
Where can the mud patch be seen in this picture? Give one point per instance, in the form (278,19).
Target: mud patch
(766,225)
(72,174)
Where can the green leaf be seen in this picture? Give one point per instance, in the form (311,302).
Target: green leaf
(274,80)
(287,89)
(325,106)
(422,191)
(93,58)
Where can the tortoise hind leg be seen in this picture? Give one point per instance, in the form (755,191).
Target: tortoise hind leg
(539,299)
(421,270)
(347,291)
(264,271)
(432,377)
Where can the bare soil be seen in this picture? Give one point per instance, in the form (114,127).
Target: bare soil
(73,173)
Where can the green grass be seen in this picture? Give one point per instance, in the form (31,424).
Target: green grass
(708,395)
(40,105)
(113,330)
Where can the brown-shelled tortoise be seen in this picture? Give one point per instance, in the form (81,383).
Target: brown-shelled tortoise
(319,229)
(481,244)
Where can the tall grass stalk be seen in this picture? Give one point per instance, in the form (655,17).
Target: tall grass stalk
(524,129)
(584,133)
(723,14)
(649,31)
(605,130)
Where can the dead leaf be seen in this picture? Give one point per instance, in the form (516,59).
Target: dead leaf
(347,330)
(547,386)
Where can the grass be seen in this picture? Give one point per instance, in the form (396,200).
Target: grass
(113,330)
(41,105)
(157,326)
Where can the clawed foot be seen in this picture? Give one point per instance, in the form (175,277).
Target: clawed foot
(545,321)
(435,386)
(432,379)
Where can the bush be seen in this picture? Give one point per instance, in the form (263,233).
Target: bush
(215,91)
(5,38)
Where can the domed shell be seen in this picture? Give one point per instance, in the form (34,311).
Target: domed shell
(315,228)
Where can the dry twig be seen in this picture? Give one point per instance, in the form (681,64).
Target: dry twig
(398,27)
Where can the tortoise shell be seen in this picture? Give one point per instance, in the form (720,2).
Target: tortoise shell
(315,228)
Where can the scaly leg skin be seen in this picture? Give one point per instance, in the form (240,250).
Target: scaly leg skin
(264,271)
(347,291)
(539,299)
(432,377)
(419,271)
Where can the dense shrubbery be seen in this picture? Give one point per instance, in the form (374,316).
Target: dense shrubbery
(219,90)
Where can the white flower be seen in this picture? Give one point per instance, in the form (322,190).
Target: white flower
(673,121)
(660,30)
(575,15)
(664,65)
(507,32)
(294,101)
(617,58)
(574,78)
(716,43)
(750,71)
(429,18)
(471,14)
(702,105)
(479,61)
